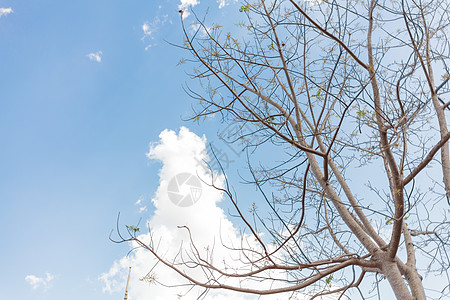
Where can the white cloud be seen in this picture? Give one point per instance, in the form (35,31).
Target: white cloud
(97,56)
(203,30)
(211,230)
(223,3)
(146,29)
(139,203)
(151,28)
(185,4)
(37,282)
(5,11)
(383,230)
(179,153)
(312,2)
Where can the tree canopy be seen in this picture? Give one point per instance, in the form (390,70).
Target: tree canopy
(351,97)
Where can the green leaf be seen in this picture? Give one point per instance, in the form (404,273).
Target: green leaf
(244,8)
(135,229)
(361,113)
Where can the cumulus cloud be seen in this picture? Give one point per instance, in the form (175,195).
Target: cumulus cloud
(185,5)
(97,56)
(37,282)
(5,11)
(182,153)
(182,200)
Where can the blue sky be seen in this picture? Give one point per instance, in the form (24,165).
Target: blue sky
(75,132)
(87,89)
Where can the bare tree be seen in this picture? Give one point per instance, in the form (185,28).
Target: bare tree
(351,97)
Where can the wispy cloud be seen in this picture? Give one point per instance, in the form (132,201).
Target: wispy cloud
(5,11)
(312,2)
(37,282)
(223,3)
(203,30)
(97,56)
(148,31)
(151,28)
(139,203)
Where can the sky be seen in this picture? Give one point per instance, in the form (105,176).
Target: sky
(86,87)
(93,124)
